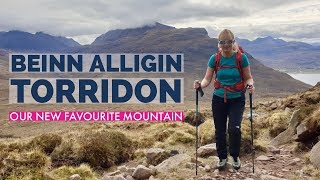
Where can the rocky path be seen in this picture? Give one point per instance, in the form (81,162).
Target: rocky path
(276,164)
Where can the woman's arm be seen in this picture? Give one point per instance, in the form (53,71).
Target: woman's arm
(206,80)
(248,80)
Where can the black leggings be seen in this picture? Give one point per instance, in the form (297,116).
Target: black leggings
(233,109)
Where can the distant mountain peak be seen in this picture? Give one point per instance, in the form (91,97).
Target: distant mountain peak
(40,41)
(14,30)
(265,38)
(140,32)
(281,54)
(40,32)
(270,40)
(268,37)
(158,25)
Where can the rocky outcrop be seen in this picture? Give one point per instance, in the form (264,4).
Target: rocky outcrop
(306,133)
(286,136)
(303,132)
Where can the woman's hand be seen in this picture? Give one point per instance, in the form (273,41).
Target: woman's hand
(250,88)
(196,84)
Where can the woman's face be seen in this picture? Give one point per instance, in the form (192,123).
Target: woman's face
(226,42)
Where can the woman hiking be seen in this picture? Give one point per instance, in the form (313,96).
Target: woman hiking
(231,70)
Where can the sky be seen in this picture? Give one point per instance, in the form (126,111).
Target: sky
(84,20)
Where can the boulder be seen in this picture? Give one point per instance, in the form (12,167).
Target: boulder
(142,172)
(153,169)
(156,155)
(117,177)
(75,177)
(130,170)
(315,155)
(207,150)
(273,149)
(294,161)
(207,168)
(122,169)
(263,158)
(273,106)
(287,109)
(304,133)
(301,129)
(128,177)
(286,136)
(172,162)
(114,173)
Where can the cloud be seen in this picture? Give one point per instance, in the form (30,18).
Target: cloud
(85,19)
(295,21)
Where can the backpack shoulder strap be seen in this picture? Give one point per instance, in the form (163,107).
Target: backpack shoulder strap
(240,49)
(239,63)
(217,61)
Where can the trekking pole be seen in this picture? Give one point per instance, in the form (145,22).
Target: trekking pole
(197,116)
(253,151)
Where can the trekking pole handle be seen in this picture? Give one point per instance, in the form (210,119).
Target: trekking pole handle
(201,91)
(244,90)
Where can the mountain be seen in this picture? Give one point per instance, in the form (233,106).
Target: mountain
(194,43)
(280,54)
(24,41)
(114,35)
(315,44)
(196,46)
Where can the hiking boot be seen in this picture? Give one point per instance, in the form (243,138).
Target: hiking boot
(236,163)
(222,164)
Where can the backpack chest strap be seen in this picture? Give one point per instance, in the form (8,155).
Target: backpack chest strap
(226,67)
